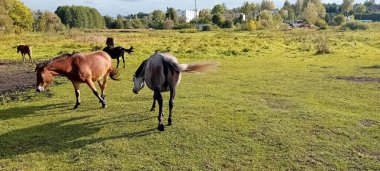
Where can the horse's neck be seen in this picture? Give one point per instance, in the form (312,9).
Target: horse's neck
(60,66)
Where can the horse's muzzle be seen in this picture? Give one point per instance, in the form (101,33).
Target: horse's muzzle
(40,89)
(134,91)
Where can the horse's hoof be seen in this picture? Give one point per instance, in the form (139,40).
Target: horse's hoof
(170,122)
(152,110)
(76,106)
(161,127)
(104,106)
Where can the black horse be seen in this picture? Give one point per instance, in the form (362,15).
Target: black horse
(110,43)
(116,52)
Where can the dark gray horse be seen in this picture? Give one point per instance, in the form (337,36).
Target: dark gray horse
(162,73)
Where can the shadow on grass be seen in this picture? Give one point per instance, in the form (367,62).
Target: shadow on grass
(60,136)
(19,112)
(371,67)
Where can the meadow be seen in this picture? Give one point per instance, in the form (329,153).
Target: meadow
(272,104)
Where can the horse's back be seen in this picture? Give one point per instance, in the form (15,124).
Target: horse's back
(158,74)
(95,64)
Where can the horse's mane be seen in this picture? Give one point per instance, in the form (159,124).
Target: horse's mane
(141,69)
(47,62)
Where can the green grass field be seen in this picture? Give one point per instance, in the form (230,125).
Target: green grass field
(272,104)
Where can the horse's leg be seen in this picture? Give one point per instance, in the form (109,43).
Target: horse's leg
(77,94)
(93,88)
(23,57)
(30,58)
(122,57)
(171,104)
(158,97)
(103,87)
(117,66)
(154,104)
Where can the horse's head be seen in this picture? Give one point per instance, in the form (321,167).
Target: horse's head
(138,78)
(18,48)
(44,77)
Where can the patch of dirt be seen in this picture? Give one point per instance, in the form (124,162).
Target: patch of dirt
(368,122)
(16,76)
(358,79)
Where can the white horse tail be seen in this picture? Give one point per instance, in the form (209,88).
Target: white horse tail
(201,67)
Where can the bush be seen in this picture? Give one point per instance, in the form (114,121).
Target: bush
(228,24)
(354,26)
(339,19)
(321,24)
(251,25)
(207,28)
(188,31)
(169,24)
(322,45)
(183,26)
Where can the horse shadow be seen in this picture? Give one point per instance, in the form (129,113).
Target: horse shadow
(63,135)
(19,112)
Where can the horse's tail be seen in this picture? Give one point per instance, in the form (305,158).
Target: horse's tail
(130,50)
(114,74)
(201,67)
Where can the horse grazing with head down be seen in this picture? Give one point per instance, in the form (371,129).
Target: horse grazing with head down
(161,73)
(24,49)
(78,68)
(116,52)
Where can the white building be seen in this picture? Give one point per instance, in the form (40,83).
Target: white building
(189,14)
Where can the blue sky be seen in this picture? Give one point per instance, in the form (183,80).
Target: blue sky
(125,7)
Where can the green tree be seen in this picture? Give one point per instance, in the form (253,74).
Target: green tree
(218,9)
(267,5)
(347,6)
(369,3)
(248,8)
(128,24)
(339,19)
(360,9)
(204,16)
(298,9)
(80,17)
(266,19)
(21,16)
(136,23)
(39,23)
(311,13)
(119,23)
(158,18)
(218,19)
(64,12)
(109,21)
(171,14)
(6,22)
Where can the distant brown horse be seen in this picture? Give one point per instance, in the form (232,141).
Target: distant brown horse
(24,49)
(161,72)
(78,68)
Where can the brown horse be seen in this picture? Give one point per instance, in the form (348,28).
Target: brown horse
(161,73)
(24,49)
(78,68)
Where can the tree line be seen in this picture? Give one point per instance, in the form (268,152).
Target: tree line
(15,16)
(80,17)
